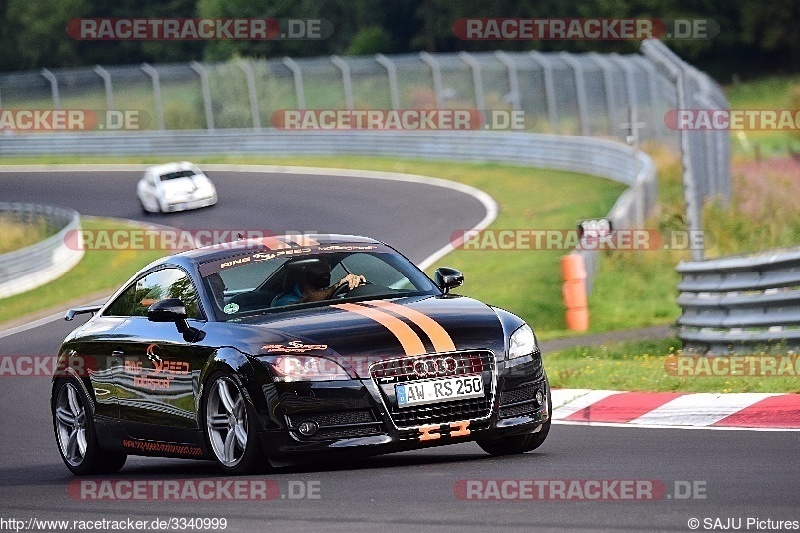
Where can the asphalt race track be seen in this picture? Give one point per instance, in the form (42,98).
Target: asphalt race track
(685,474)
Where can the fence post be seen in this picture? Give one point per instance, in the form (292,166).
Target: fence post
(106,77)
(298,81)
(611,93)
(391,71)
(436,73)
(153,73)
(203,73)
(477,79)
(580,90)
(50,77)
(513,79)
(549,88)
(247,68)
(346,80)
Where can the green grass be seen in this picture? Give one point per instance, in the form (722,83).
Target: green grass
(775,92)
(643,365)
(17,234)
(98,271)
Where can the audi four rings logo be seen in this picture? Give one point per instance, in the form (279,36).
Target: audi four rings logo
(435,367)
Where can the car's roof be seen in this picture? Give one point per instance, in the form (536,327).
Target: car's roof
(278,242)
(176,166)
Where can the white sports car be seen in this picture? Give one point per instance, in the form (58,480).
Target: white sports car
(175,187)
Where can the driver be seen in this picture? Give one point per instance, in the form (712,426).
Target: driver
(312,285)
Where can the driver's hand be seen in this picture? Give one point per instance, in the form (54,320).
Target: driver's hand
(352,280)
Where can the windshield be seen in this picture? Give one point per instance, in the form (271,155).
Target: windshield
(282,280)
(179,174)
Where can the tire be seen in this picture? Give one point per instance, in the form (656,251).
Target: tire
(75,432)
(229,426)
(519,443)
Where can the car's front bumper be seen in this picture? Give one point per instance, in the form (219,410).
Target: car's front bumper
(355,416)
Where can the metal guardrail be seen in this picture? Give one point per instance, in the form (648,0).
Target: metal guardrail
(589,155)
(35,265)
(740,304)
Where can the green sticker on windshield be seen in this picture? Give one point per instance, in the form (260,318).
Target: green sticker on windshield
(231,308)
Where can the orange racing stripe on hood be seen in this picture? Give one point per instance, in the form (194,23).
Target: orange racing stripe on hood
(410,341)
(442,342)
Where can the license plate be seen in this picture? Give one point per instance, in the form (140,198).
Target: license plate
(438,390)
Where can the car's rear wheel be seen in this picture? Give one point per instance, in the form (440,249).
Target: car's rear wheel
(230,426)
(75,432)
(519,443)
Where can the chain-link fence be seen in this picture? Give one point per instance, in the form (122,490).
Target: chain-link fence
(617,96)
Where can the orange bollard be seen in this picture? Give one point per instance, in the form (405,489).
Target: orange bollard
(573,271)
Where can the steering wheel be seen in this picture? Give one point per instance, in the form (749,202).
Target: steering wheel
(344,287)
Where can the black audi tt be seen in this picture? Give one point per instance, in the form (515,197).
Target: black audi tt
(269,351)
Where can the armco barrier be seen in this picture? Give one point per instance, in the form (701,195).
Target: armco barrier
(35,265)
(599,157)
(740,304)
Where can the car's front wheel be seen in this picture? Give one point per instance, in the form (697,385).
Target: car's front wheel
(76,435)
(230,426)
(519,443)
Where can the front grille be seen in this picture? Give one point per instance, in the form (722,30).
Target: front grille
(388,373)
(522,409)
(339,424)
(441,413)
(432,366)
(338,418)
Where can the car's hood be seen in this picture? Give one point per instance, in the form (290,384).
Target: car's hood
(357,334)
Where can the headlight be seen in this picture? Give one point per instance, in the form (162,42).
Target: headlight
(522,342)
(305,368)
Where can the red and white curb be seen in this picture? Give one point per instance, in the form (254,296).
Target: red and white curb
(758,411)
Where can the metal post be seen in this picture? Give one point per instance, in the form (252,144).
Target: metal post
(106,77)
(580,89)
(203,73)
(347,81)
(391,71)
(630,85)
(549,88)
(608,84)
(693,209)
(298,81)
(247,68)
(437,76)
(477,79)
(153,73)
(49,76)
(513,78)
(652,89)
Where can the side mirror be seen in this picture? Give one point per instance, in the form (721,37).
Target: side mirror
(167,310)
(174,310)
(447,278)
